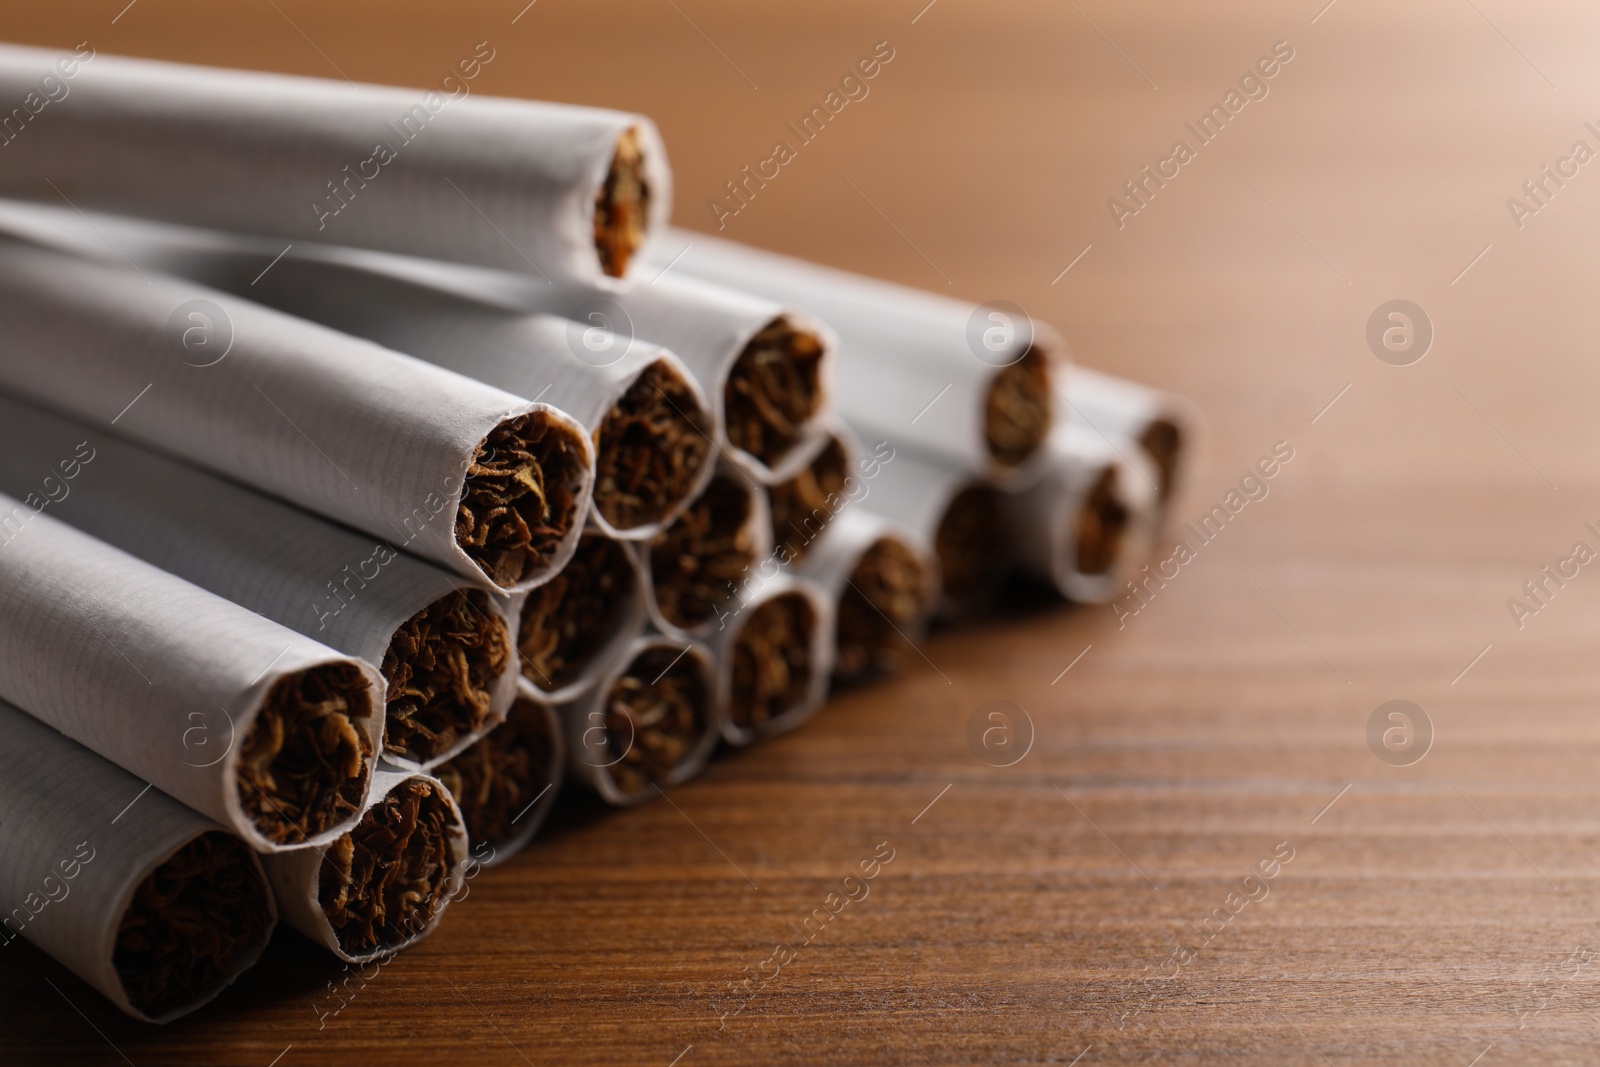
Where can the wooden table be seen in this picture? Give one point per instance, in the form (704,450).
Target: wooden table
(1431,913)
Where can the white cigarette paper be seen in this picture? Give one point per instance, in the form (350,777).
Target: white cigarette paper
(959,380)
(765,367)
(480,481)
(954,510)
(645,414)
(446,649)
(552,190)
(240,718)
(1090,522)
(384,884)
(900,571)
(507,783)
(774,654)
(95,867)
(699,563)
(652,721)
(1163,425)
(573,627)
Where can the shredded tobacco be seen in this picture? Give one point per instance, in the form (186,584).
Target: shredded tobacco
(1101,524)
(521,496)
(772,661)
(569,619)
(496,780)
(773,390)
(303,765)
(965,544)
(803,506)
(885,597)
(649,449)
(189,922)
(698,561)
(1162,440)
(382,882)
(656,714)
(622,207)
(440,667)
(1017,411)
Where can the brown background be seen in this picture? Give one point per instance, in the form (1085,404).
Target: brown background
(1433,913)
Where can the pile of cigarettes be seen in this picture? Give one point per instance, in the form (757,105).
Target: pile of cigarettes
(356,489)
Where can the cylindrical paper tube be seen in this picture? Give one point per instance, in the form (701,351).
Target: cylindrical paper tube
(154,905)
(804,505)
(699,562)
(1085,526)
(445,647)
(506,784)
(964,381)
(774,653)
(576,624)
(647,416)
(490,485)
(382,885)
(1165,426)
(652,721)
(765,368)
(884,582)
(551,190)
(266,731)
(955,510)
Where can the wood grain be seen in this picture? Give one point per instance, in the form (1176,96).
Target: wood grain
(1430,912)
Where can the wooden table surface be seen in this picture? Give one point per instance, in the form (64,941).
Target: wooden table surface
(1047,911)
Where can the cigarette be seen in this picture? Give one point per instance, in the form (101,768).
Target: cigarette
(765,367)
(480,481)
(698,563)
(444,646)
(884,582)
(266,731)
(555,191)
(966,382)
(1164,426)
(575,625)
(652,721)
(774,653)
(804,505)
(956,511)
(506,784)
(646,415)
(154,905)
(1086,526)
(383,885)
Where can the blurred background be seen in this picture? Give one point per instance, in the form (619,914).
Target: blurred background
(1436,905)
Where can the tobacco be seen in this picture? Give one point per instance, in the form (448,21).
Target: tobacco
(965,543)
(773,389)
(381,883)
(649,450)
(772,663)
(496,780)
(188,923)
(803,506)
(697,562)
(303,764)
(521,496)
(622,207)
(569,619)
(440,667)
(655,715)
(1017,410)
(1101,525)
(885,596)
(1162,440)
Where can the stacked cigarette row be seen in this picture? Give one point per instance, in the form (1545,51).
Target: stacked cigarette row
(350,505)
